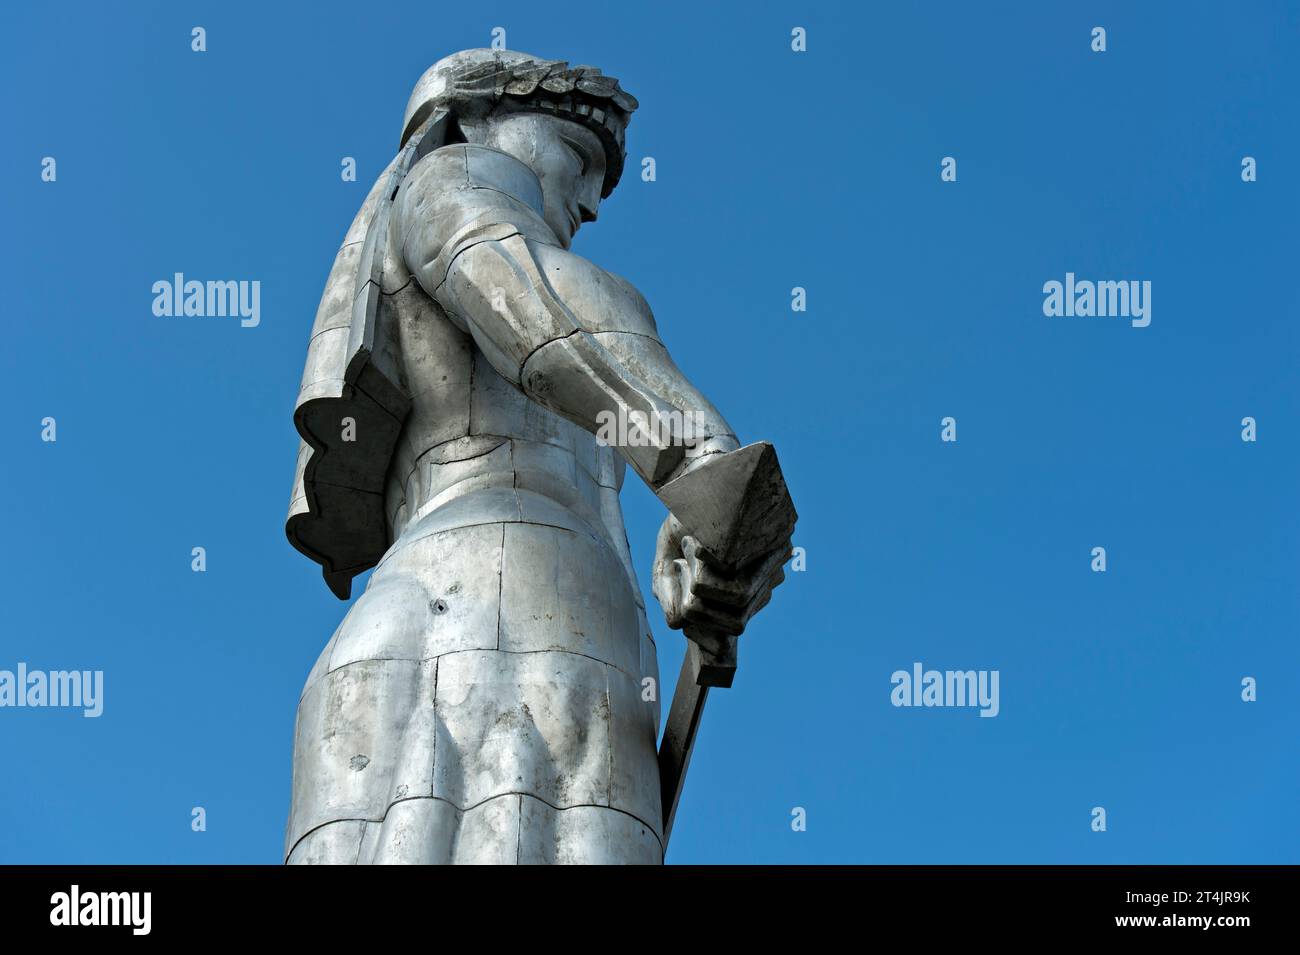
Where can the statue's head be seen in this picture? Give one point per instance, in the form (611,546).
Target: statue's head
(567,125)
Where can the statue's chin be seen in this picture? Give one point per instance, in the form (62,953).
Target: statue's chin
(564,228)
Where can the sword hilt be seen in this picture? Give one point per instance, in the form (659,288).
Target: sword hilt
(715,653)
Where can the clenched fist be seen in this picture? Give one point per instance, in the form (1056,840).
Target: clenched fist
(704,598)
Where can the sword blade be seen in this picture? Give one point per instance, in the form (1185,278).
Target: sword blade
(701,669)
(679,737)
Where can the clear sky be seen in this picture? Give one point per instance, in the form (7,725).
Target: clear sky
(775,169)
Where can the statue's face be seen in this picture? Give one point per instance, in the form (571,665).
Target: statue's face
(568,159)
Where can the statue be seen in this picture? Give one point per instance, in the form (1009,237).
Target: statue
(472,395)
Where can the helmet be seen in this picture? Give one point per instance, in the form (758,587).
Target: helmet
(472,83)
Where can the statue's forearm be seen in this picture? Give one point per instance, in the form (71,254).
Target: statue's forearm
(646,357)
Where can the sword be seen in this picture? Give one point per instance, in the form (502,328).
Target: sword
(738,508)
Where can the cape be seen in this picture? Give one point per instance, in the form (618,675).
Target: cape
(336,513)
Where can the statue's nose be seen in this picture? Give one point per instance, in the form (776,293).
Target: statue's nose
(588,212)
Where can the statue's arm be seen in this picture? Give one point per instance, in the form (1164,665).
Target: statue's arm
(578,342)
(572,337)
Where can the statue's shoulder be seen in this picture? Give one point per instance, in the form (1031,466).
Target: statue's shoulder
(632,293)
(462,186)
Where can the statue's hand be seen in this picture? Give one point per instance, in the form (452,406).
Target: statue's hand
(694,594)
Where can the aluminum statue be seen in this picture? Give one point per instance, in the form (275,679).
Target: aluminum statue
(473,393)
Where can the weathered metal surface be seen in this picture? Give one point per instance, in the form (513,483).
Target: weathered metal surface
(493,696)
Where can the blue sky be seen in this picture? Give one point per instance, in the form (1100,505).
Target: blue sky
(775,169)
